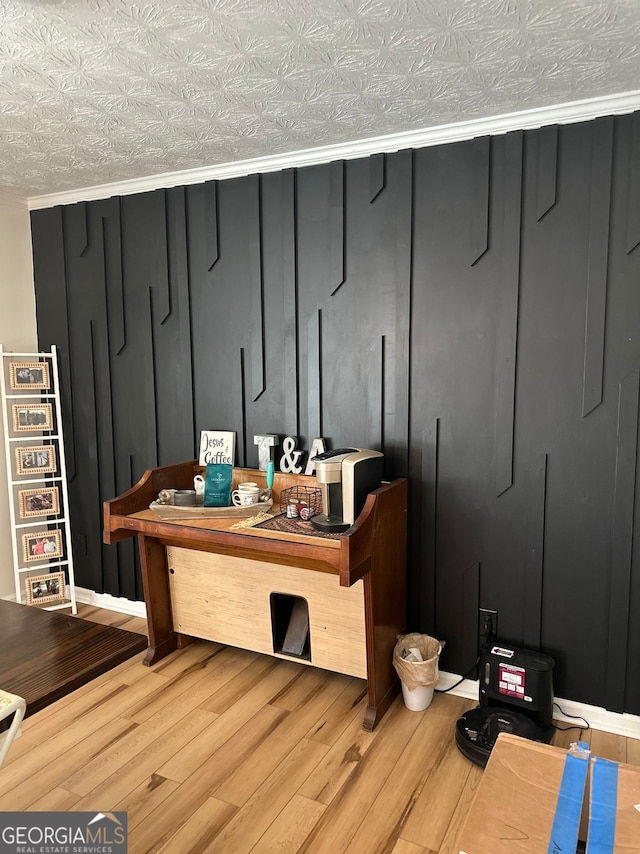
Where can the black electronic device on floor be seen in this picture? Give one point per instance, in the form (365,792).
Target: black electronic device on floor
(516,696)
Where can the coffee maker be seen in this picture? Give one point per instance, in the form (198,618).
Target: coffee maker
(346,477)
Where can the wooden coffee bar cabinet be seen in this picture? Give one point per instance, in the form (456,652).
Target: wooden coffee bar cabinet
(203,579)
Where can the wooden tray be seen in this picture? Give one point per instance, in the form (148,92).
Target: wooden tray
(169,512)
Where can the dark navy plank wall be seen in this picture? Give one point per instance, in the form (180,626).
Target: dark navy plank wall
(470,309)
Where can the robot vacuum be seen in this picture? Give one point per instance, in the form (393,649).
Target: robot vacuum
(516,696)
(478,729)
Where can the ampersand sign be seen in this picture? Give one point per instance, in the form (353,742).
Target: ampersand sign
(290,457)
(318,447)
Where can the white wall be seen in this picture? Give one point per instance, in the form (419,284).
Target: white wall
(18,333)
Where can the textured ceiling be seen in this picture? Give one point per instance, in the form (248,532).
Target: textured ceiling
(97,91)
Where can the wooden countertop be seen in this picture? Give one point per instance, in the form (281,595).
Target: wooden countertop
(226,524)
(349,556)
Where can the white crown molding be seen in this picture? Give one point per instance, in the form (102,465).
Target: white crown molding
(568,113)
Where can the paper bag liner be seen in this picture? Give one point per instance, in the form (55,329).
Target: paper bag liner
(415,674)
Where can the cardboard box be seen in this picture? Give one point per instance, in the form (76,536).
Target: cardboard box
(532,798)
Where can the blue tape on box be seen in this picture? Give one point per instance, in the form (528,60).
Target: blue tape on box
(602,811)
(566,822)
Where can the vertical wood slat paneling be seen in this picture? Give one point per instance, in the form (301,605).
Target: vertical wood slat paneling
(83,230)
(449,313)
(162,287)
(314,374)
(84,262)
(134,579)
(138,372)
(202,273)
(375,394)
(134,370)
(622,540)
(112,248)
(336,224)
(422,528)
(178,438)
(49,270)
(397,388)
(469,613)
(152,413)
(598,253)
(88,340)
(290,307)
(377,175)
(242,445)
(105,571)
(101,344)
(534,562)
(92,520)
(383,388)
(430,446)
(70,439)
(211,224)
(633,206)
(257,288)
(507,320)
(147,369)
(479,200)
(547,139)
(175,230)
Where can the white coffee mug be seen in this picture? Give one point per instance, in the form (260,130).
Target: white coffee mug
(198,484)
(246,494)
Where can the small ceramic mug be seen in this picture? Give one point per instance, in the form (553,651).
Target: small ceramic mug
(246,494)
(198,485)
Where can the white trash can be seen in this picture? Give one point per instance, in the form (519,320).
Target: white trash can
(417,700)
(415,659)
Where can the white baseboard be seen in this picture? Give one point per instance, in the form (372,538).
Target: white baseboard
(467,688)
(597,717)
(111,603)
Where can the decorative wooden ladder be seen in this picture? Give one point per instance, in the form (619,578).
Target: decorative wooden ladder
(34,395)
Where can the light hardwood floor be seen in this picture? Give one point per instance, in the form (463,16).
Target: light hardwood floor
(222,750)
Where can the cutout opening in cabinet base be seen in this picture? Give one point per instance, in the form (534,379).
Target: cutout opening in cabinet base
(290,625)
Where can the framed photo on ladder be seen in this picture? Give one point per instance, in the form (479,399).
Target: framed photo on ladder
(42,546)
(28,417)
(39,502)
(30,376)
(37,460)
(45,589)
